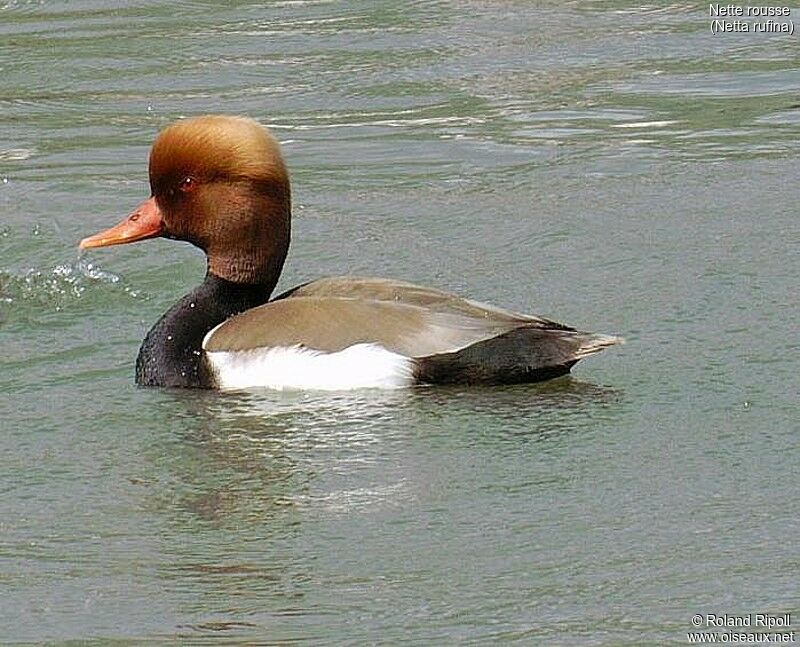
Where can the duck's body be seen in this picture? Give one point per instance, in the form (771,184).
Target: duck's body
(220,183)
(346,333)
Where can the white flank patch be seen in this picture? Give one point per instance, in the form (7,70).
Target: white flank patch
(362,366)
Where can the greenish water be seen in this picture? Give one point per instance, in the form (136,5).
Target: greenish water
(612,165)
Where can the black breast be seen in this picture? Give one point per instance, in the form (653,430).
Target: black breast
(171,353)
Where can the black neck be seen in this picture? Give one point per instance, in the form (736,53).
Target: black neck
(171,354)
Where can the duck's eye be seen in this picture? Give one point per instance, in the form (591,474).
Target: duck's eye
(187,184)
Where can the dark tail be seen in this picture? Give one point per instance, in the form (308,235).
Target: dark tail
(526,354)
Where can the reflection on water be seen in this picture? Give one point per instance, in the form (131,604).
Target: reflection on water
(255,455)
(264,482)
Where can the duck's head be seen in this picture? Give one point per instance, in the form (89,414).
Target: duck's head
(220,183)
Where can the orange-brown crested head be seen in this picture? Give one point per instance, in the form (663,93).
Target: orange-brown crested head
(212,148)
(220,182)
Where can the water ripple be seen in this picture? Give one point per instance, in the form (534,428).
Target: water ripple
(52,289)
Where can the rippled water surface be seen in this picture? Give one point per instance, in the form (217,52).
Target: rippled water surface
(613,165)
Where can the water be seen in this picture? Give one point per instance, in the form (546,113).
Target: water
(612,165)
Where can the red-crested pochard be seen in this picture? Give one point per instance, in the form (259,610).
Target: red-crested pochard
(220,183)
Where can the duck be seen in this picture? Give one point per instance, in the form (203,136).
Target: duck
(220,183)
